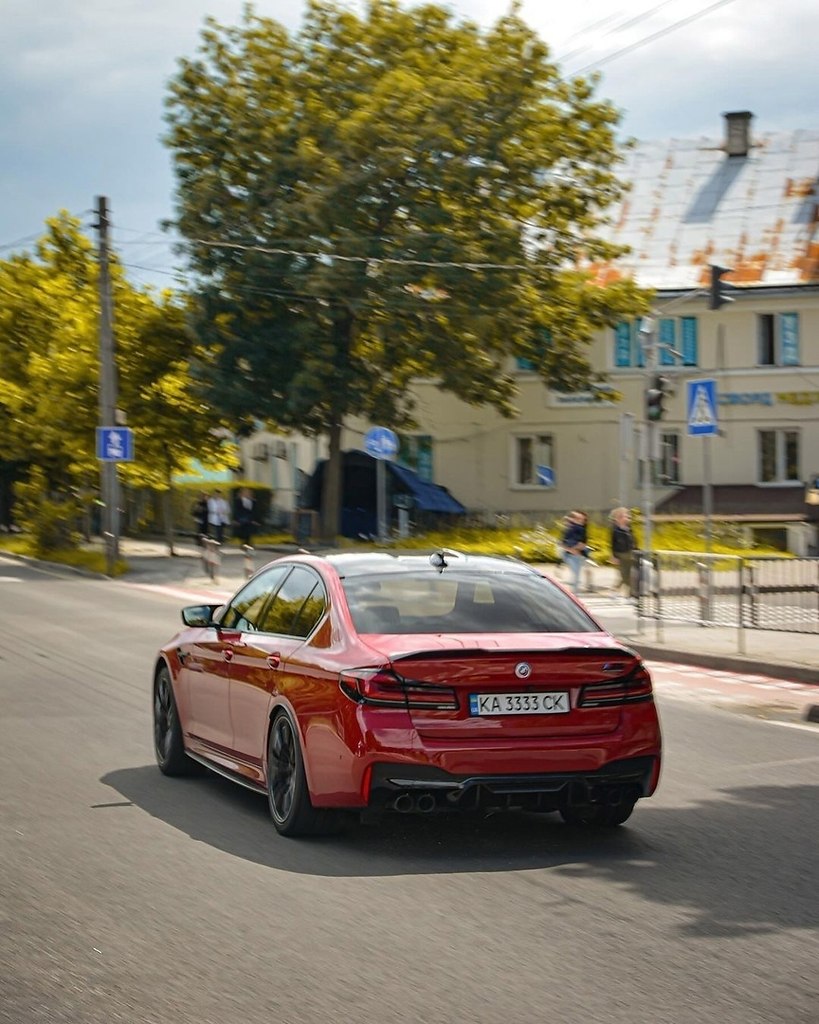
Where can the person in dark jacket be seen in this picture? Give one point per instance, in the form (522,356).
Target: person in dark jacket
(575,547)
(622,546)
(245,516)
(200,516)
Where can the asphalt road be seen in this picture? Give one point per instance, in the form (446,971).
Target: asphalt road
(129,897)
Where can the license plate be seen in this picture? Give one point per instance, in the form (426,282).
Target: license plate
(519,703)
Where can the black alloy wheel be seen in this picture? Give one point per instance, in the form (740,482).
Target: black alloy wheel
(168,745)
(287,794)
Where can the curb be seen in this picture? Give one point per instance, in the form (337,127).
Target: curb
(729,663)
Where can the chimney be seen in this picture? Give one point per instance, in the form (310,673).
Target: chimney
(738,132)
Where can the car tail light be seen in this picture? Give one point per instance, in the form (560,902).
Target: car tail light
(634,688)
(381,687)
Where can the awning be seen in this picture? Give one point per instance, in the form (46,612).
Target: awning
(428,497)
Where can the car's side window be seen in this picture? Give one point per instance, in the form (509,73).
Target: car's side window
(298,605)
(245,610)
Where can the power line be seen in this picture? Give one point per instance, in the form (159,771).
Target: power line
(369,260)
(651,38)
(628,23)
(20,241)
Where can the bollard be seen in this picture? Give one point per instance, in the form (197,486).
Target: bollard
(204,540)
(213,557)
(247,554)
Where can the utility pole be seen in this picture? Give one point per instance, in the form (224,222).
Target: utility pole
(109,482)
(649,430)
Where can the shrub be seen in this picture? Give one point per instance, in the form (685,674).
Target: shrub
(50,521)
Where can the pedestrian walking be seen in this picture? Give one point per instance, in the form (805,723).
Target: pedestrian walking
(218,516)
(622,547)
(199,511)
(575,546)
(245,515)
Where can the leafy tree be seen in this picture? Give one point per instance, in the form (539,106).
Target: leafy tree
(49,371)
(388,196)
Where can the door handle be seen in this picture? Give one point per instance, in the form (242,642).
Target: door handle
(274,660)
(228,654)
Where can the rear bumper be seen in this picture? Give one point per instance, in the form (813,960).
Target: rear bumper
(423,789)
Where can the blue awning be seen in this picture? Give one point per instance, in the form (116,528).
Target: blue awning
(428,497)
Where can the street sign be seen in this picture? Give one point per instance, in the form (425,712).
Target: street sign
(115,444)
(701,408)
(381,443)
(545,476)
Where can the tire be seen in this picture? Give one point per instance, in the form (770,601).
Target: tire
(168,746)
(598,815)
(287,793)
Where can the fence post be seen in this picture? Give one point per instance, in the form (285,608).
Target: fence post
(753,604)
(741,615)
(247,557)
(212,557)
(658,589)
(704,584)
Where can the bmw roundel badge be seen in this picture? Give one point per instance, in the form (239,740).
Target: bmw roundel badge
(523,670)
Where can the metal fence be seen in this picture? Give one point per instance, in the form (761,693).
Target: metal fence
(768,592)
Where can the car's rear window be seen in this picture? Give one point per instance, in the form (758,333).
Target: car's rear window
(462,602)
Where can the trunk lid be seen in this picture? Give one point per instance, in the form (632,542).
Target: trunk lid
(522,686)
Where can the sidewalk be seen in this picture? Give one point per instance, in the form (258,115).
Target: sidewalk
(781,655)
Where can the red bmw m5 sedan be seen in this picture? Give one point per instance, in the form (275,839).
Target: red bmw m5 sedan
(408,683)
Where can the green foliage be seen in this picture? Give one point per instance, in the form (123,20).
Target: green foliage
(51,522)
(79,558)
(387,196)
(541,543)
(49,369)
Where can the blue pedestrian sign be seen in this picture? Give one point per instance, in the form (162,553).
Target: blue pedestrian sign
(115,444)
(545,476)
(381,443)
(701,408)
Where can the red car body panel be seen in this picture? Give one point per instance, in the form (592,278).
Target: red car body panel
(229,684)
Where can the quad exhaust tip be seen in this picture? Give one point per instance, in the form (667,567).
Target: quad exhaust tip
(406,803)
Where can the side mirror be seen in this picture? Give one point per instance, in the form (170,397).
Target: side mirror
(199,614)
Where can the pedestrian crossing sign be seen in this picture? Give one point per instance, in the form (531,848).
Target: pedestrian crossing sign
(701,406)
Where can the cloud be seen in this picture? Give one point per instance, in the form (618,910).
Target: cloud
(85,82)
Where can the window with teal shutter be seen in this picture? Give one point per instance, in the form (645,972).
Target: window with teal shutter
(690,354)
(639,351)
(789,339)
(528,365)
(668,340)
(622,344)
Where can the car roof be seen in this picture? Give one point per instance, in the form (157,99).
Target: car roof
(365,563)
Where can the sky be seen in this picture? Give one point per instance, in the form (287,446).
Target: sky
(82,84)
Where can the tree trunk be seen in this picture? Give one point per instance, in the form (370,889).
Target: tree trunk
(331,488)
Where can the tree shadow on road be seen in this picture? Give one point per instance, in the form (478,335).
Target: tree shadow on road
(739,863)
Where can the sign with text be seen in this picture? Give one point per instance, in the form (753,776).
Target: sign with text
(115,444)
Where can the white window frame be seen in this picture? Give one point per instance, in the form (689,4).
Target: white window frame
(669,465)
(543,454)
(769,334)
(780,457)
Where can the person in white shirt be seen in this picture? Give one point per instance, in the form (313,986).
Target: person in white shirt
(218,516)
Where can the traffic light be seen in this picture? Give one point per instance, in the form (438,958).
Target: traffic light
(655,398)
(717,294)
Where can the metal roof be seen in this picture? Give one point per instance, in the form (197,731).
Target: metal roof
(691,205)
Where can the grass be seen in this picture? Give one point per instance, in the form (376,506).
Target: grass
(541,543)
(538,543)
(77,558)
